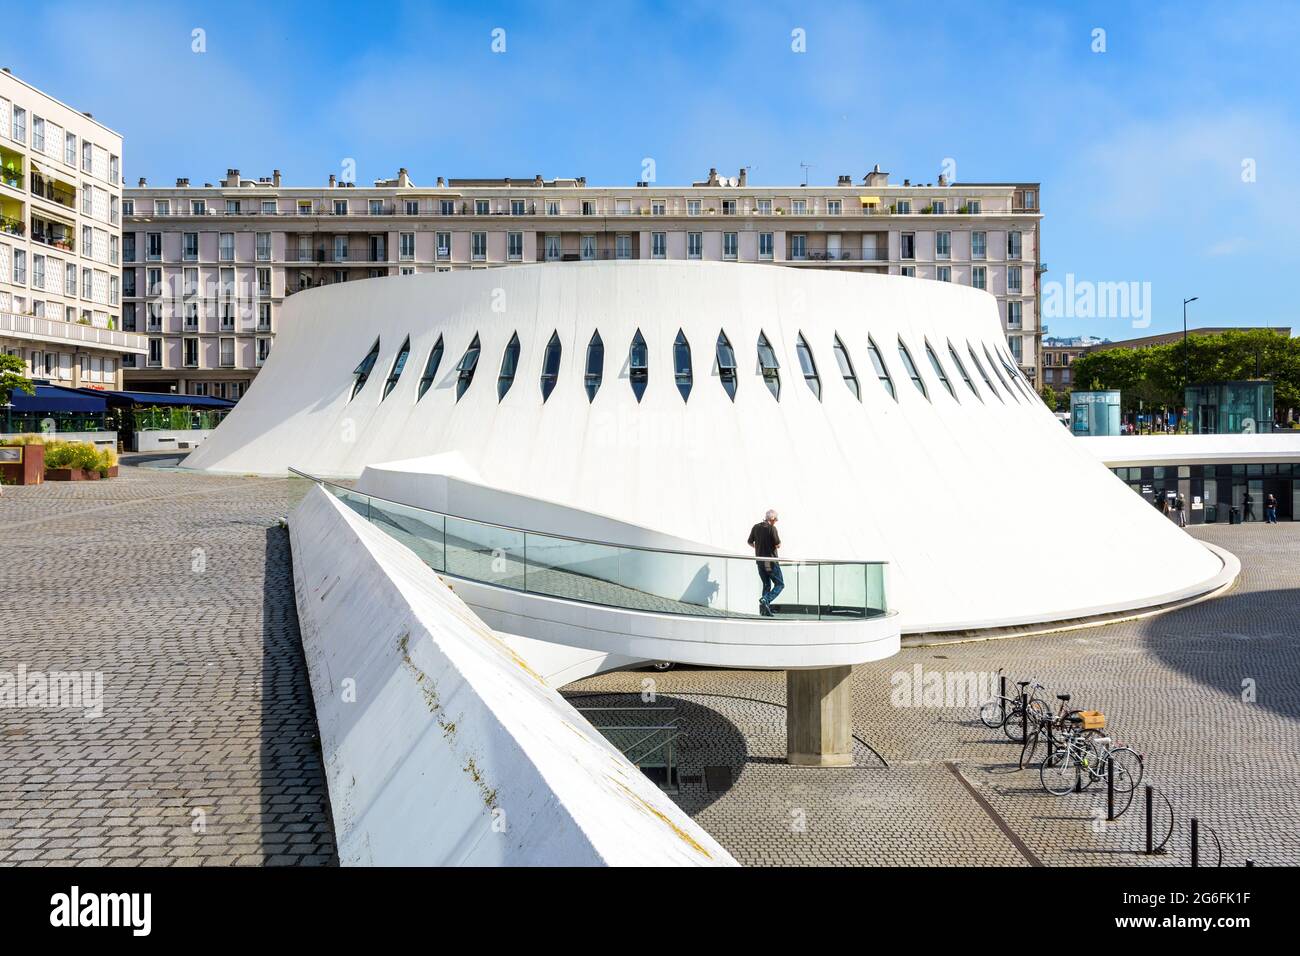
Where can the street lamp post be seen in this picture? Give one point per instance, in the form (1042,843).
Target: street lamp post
(1187,359)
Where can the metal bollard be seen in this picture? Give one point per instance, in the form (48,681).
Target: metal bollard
(1110,789)
(1002,696)
(1150,841)
(1024,719)
(1194,838)
(1250,862)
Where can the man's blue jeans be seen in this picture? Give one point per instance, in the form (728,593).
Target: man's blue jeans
(773,581)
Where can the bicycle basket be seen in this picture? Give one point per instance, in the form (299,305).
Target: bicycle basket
(1093,719)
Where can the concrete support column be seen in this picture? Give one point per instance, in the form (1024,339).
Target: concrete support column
(819,717)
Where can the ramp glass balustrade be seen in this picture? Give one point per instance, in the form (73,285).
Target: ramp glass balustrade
(653,580)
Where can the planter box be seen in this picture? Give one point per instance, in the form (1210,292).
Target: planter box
(77,474)
(29,466)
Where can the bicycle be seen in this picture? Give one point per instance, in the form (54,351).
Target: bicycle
(1009,714)
(1080,759)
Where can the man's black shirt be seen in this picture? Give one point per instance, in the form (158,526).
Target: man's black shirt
(765,540)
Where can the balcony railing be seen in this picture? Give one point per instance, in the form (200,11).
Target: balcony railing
(840,255)
(44,189)
(54,330)
(66,243)
(647,580)
(12,227)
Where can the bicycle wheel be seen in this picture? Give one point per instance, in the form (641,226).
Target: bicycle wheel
(991,713)
(1013,727)
(1128,769)
(1058,775)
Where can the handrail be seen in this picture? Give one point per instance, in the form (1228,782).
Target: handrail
(780,559)
(624,576)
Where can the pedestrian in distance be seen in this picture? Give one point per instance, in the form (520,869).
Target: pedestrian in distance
(1270,509)
(1248,508)
(766,542)
(1180,506)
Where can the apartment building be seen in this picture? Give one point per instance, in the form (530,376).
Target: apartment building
(60,241)
(1059,354)
(207,268)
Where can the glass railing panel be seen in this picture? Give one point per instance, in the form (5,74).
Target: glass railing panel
(574,570)
(357,502)
(421,531)
(801,596)
(843,590)
(485,553)
(669,582)
(876,603)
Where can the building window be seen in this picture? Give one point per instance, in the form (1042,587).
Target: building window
(263,350)
(658,245)
(227,251)
(514,245)
(191,353)
(728,207)
(974,206)
(694,245)
(264,317)
(20,267)
(1013,279)
(155,352)
(907,245)
(909,271)
(730,245)
(882,373)
(846,368)
(798,246)
(658,207)
(589,207)
(1015,343)
(979,245)
(552,207)
(763,207)
(447,207)
(808,365)
(482,207)
(412,207)
(943,245)
(153,246)
(509,366)
(361,373)
(910,367)
(552,248)
(551,366)
(430,368)
(376,207)
(799,207)
(771,368)
(726,365)
(1013,245)
(961,370)
(190,246)
(264,246)
(692,207)
(406,246)
(478,245)
(623,247)
(588,247)
(595,370)
(227,353)
(399,363)
(834,207)
(70,280)
(765,245)
(983,374)
(979,278)
(638,365)
(903,207)
(517,207)
(938,370)
(943,273)
(128,247)
(444,245)
(1015,311)
(70,149)
(682,373)
(465,368)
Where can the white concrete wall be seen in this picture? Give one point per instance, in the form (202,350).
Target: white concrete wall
(953,490)
(455,750)
(171,439)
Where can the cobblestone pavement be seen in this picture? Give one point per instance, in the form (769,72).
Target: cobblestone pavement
(178,589)
(1210,693)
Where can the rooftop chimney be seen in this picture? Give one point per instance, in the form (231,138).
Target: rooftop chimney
(403,178)
(876,177)
(538,181)
(844,181)
(232,178)
(143,182)
(743,178)
(333,181)
(713,176)
(181,182)
(275,177)
(441,182)
(907,182)
(943,180)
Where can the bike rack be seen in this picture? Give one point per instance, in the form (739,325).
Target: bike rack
(1152,850)
(1195,847)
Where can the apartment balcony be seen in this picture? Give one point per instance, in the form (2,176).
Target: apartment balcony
(330,256)
(57,332)
(12,169)
(828,256)
(53,233)
(51,189)
(13,217)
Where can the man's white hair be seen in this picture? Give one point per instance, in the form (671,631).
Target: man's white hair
(770,514)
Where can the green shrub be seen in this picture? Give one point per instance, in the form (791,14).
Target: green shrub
(79,454)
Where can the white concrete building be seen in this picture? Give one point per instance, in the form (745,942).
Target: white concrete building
(210,267)
(60,241)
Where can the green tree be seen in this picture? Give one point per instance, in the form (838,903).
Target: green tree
(12,378)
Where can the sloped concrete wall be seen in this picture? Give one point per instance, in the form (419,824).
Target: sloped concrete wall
(441,745)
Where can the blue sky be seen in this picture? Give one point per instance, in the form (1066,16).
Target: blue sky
(1139,149)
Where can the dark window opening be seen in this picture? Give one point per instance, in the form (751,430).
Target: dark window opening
(878,364)
(961,370)
(808,365)
(430,368)
(399,363)
(727,365)
(465,369)
(682,364)
(846,368)
(979,367)
(509,365)
(939,372)
(550,366)
(771,368)
(998,375)
(638,365)
(910,367)
(595,366)
(362,371)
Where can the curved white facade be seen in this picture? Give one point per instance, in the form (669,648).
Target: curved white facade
(951,486)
